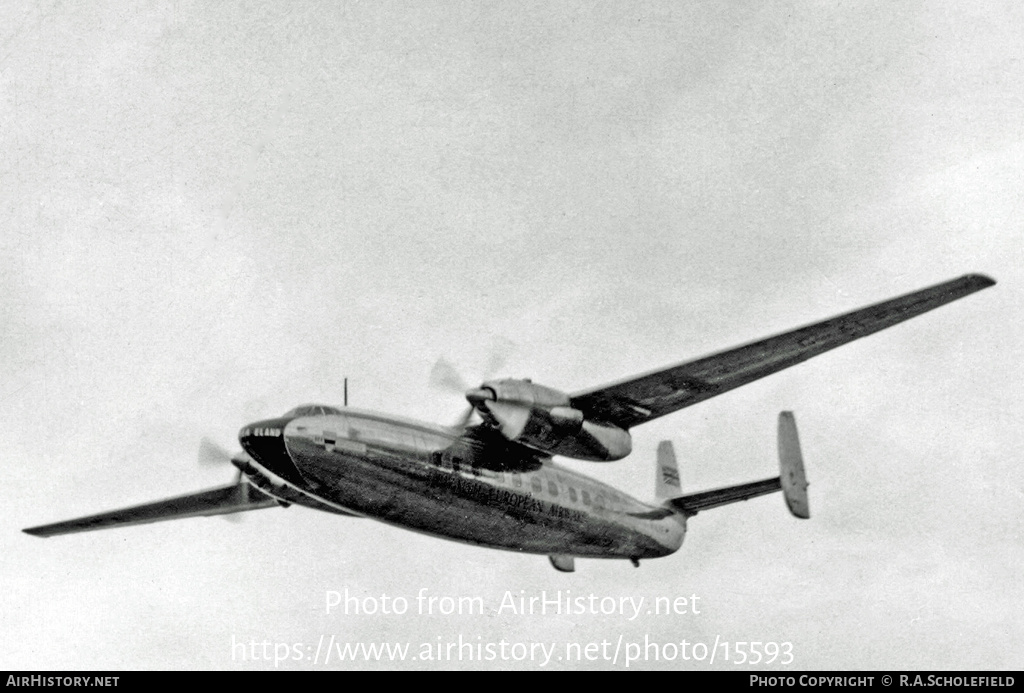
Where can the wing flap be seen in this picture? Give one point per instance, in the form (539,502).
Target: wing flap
(640,399)
(216,501)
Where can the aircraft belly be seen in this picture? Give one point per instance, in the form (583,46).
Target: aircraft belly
(407,492)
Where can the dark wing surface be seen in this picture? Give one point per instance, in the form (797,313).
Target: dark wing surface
(643,398)
(215,501)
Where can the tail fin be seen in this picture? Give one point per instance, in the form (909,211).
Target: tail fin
(791,480)
(791,467)
(666,483)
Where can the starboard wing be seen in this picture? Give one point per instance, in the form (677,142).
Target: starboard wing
(216,501)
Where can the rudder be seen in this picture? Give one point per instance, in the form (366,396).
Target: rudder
(666,481)
(791,467)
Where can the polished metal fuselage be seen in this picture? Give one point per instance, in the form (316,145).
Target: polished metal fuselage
(473,487)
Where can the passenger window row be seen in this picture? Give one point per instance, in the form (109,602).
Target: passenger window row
(455,463)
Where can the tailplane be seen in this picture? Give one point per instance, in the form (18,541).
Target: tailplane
(791,480)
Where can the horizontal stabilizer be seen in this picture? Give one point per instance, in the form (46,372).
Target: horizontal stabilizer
(791,480)
(216,501)
(695,502)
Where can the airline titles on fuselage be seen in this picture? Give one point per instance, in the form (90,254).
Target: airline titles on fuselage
(493,495)
(261,432)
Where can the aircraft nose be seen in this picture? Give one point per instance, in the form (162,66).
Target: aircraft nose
(264,441)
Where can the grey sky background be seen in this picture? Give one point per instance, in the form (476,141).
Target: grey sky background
(214,212)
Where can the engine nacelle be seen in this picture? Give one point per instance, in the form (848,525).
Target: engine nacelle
(545,420)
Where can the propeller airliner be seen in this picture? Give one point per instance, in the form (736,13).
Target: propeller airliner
(495,483)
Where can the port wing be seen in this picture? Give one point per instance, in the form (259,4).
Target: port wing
(646,397)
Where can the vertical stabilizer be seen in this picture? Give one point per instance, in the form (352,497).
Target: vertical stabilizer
(666,483)
(791,467)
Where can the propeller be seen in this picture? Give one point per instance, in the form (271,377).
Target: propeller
(444,376)
(213,455)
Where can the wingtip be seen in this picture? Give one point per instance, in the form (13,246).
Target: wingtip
(36,532)
(980,281)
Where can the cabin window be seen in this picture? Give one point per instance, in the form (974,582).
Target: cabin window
(586,497)
(552,488)
(517,480)
(536,485)
(572,494)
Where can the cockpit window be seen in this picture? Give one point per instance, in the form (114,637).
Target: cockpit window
(313,410)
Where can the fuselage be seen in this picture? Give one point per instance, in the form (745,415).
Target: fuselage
(473,486)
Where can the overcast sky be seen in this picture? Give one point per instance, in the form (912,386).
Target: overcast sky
(212,212)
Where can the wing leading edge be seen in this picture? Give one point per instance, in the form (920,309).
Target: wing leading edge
(216,501)
(640,399)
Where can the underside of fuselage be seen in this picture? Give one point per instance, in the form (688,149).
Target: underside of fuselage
(471,488)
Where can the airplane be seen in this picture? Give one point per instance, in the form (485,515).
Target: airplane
(494,483)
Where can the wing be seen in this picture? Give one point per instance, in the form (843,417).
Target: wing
(646,397)
(216,501)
